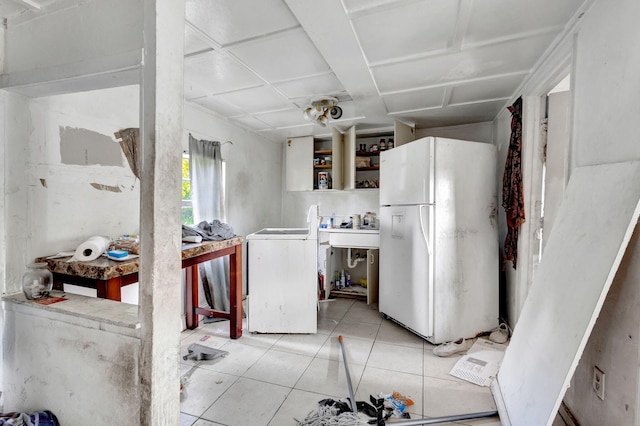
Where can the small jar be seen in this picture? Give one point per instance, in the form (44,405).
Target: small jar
(390,143)
(382,144)
(37,282)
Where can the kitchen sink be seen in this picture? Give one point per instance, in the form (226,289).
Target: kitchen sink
(282,231)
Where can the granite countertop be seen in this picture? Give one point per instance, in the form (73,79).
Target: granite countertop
(104,268)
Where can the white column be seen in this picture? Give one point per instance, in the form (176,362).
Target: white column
(160,226)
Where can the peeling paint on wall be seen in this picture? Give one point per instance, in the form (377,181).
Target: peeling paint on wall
(86,147)
(102,187)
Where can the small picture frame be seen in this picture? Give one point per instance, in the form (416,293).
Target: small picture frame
(323,180)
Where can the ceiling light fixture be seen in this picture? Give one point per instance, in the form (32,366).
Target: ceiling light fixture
(321,109)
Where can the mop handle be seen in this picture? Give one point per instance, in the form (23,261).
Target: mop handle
(352,398)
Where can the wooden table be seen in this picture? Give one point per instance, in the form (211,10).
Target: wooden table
(109,276)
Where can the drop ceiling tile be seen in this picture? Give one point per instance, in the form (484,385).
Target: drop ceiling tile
(293,132)
(248,121)
(255,100)
(217,73)
(311,87)
(502,58)
(497,88)
(218,105)
(193,42)
(454,115)
(418,99)
(231,21)
(492,19)
(354,6)
(410,29)
(274,62)
(284,118)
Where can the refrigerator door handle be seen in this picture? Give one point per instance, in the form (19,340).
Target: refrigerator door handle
(422,228)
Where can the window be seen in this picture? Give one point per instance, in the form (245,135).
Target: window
(187,206)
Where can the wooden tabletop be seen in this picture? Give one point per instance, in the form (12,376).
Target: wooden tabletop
(104,268)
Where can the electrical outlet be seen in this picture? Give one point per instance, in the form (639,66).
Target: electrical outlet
(598,382)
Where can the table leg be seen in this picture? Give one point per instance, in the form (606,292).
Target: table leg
(235,293)
(191,296)
(109,289)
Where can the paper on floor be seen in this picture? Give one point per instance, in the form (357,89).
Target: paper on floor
(480,365)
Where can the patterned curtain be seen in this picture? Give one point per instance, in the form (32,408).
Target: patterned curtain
(512,192)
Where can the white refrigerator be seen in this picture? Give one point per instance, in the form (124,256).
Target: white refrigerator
(439,238)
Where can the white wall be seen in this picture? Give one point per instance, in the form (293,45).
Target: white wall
(340,204)
(253,173)
(479,132)
(253,165)
(86,367)
(606,129)
(66,211)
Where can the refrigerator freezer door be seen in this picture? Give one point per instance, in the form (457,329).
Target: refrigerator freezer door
(407,173)
(406,266)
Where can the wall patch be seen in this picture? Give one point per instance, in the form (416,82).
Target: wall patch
(102,187)
(86,147)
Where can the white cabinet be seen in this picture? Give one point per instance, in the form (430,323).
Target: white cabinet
(403,133)
(306,157)
(341,157)
(299,164)
(348,140)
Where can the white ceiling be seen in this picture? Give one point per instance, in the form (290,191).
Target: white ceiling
(429,63)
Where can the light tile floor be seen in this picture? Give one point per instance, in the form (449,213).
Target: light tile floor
(272,379)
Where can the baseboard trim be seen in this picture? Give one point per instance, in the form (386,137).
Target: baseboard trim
(567,415)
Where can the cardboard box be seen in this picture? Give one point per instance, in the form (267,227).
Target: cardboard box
(363,162)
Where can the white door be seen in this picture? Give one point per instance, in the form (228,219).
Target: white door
(349,159)
(406,266)
(337,151)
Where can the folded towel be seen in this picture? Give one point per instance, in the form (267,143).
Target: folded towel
(212,231)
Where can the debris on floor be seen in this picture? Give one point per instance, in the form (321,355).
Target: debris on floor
(396,403)
(200,352)
(500,334)
(450,348)
(331,412)
(481,363)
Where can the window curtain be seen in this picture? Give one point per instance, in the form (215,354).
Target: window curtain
(130,145)
(207,197)
(512,189)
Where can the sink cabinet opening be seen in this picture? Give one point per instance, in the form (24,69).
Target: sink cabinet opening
(361,267)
